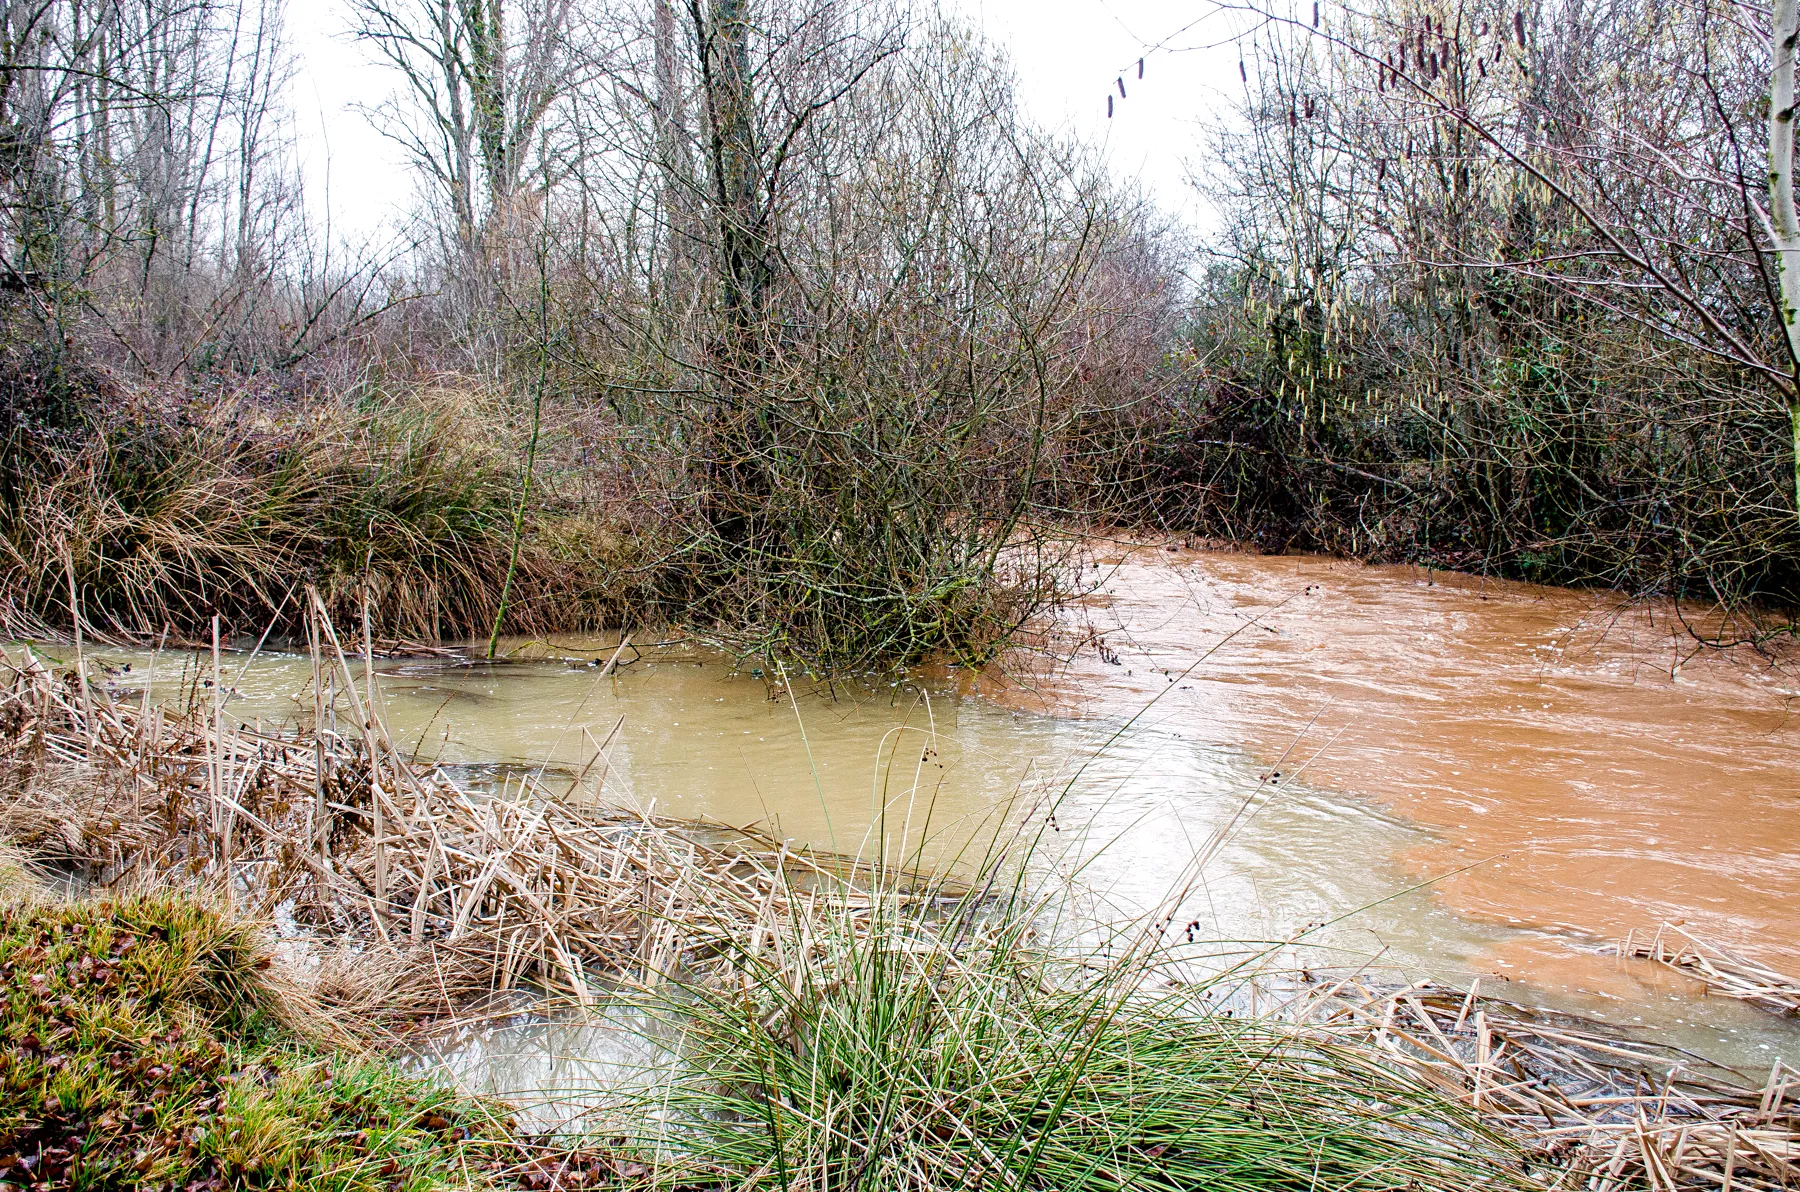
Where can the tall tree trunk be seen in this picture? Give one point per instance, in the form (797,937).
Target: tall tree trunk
(462,150)
(671,138)
(738,181)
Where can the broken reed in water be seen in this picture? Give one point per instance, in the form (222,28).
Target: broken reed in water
(1724,972)
(1625,1113)
(338,829)
(459,893)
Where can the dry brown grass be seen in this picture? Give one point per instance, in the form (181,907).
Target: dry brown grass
(337,835)
(163,512)
(1725,973)
(1611,1112)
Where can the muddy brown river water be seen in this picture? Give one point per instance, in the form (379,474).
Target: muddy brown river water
(1460,778)
(1595,768)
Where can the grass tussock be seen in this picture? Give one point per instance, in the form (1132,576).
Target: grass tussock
(879,1049)
(162,513)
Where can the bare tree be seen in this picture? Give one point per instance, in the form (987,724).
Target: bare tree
(151,200)
(1784,222)
(888,315)
(478,81)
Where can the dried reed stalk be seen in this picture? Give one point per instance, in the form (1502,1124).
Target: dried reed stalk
(336,831)
(1603,1112)
(1725,973)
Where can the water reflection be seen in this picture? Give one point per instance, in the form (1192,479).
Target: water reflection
(557,1065)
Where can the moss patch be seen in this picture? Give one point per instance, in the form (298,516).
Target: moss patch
(143,1044)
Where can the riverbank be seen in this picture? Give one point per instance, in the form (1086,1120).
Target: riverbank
(909,1034)
(163,510)
(151,1042)
(440,509)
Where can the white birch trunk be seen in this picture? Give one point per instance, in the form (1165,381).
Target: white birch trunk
(1783,33)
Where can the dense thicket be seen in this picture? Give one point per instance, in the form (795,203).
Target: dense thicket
(1496,287)
(792,312)
(855,303)
(776,318)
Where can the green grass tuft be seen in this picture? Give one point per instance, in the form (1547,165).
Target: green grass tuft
(877,1050)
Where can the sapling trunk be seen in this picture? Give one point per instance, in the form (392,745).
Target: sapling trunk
(1784,30)
(531,448)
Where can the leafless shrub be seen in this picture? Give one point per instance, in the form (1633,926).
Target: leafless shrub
(1498,287)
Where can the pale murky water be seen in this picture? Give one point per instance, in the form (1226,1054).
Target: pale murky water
(1420,727)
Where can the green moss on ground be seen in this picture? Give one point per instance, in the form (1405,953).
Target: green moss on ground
(144,1043)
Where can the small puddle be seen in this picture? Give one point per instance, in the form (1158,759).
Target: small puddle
(555,1064)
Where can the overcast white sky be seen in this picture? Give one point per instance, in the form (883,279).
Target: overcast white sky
(1066,52)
